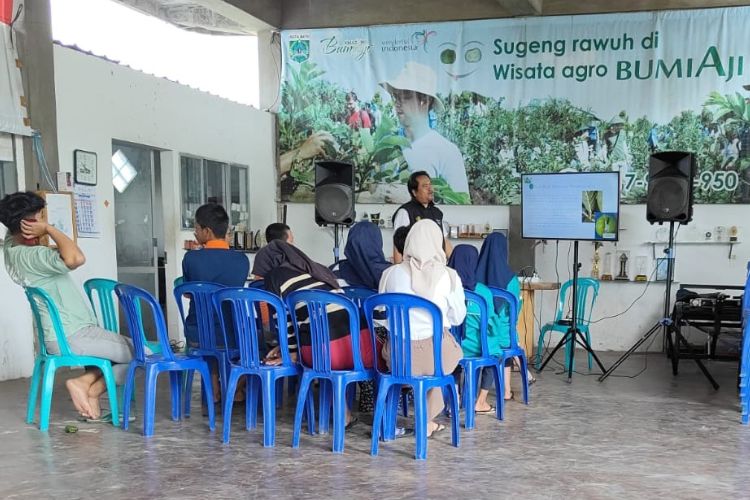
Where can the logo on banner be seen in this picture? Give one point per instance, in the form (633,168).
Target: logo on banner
(299,50)
(417,40)
(356,47)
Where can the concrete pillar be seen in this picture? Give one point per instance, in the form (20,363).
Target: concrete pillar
(34,42)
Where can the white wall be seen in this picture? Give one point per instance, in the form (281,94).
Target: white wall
(703,263)
(318,242)
(116,102)
(16,338)
(98,101)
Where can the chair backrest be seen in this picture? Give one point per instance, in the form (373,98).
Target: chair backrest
(459,331)
(512,301)
(200,293)
(179,280)
(746,296)
(244,304)
(105,293)
(317,303)
(40,300)
(358,294)
(588,290)
(131,299)
(395,308)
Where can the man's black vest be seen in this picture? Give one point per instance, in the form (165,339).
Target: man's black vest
(417,212)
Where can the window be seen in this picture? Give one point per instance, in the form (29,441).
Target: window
(209,181)
(8,178)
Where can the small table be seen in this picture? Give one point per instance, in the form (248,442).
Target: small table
(526,324)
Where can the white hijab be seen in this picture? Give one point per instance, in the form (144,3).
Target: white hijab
(424,258)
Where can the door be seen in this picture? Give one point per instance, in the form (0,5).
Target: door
(139,229)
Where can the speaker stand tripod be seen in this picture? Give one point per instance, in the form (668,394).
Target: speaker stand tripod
(336,243)
(666,324)
(574,334)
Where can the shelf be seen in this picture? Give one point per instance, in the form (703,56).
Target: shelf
(678,243)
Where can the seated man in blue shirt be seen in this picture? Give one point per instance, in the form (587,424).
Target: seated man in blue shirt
(215,263)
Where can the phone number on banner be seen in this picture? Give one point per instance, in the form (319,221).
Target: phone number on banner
(713,181)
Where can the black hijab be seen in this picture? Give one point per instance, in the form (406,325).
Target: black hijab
(281,254)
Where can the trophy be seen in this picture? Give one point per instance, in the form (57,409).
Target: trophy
(622,262)
(607,267)
(595,261)
(641,264)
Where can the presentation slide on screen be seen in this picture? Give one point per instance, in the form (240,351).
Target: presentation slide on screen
(571,206)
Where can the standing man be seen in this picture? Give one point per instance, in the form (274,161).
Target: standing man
(421,206)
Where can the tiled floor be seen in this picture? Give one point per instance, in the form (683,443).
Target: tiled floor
(652,436)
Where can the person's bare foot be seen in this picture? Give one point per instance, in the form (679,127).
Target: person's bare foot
(80,396)
(96,410)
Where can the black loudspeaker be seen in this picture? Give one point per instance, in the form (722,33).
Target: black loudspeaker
(670,187)
(334,193)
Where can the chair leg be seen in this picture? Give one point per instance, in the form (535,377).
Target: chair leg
(149,406)
(339,413)
(380,409)
(34,389)
(48,386)
(234,377)
(127,396)
(391,412)
(499,372)
(188,392)
(302,398)
(109,380)
(540,349)
(208,388)
(268,389)
(470,395)
(524,377)
(455,423)
(324,408)
(420,421)
(175,388)
(251,401)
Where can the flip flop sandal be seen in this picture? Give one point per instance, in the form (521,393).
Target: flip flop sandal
(512,396)
(354,421)
(486,412)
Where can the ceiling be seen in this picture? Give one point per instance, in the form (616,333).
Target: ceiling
(251,16)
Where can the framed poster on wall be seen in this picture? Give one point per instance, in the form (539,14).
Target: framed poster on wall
(59,212)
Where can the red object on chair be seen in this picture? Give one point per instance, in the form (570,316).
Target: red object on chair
(6,11)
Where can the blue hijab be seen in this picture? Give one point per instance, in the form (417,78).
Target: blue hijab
(365,261)
(464,260)
(493,268)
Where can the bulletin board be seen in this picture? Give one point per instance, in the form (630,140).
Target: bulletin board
(60,213)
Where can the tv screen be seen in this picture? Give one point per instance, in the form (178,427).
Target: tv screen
(570,206)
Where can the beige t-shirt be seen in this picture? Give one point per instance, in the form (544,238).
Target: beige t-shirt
(42,267)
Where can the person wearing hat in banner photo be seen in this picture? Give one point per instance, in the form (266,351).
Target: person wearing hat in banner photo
(414,94)
(618,150)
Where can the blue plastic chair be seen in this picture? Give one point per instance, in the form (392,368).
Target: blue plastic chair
(588,290)
(397,307)
(104,290)
(514,350)
(472,366)
(200,294)
(358,294)
(46,364)
(317,302)
(153,364)
(745,357)
(243,303)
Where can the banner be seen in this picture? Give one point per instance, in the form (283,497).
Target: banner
(478,103)
(13,118)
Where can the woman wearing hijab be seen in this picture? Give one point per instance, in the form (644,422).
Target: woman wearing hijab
(493,270)
(365,262)
(424,273)
(464,260)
